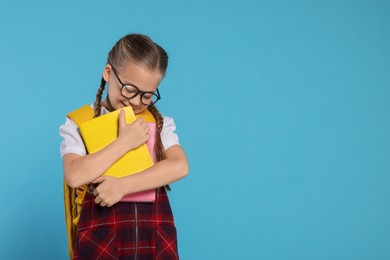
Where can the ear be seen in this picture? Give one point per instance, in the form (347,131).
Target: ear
(107,72)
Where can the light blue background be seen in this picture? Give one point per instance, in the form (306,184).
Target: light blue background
(282,107)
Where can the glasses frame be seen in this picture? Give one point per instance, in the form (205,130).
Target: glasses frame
(139,92)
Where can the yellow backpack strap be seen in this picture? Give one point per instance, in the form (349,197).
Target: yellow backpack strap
(70,211)
(82,114)
(73,198)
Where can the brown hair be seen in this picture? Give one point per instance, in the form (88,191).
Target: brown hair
(139,49)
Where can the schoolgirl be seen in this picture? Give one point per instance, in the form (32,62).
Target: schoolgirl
(108,228)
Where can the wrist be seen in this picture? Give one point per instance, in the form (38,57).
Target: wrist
(122,145)
(126,186)
(122,187)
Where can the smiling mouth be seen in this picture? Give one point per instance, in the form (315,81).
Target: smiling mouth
(129,105)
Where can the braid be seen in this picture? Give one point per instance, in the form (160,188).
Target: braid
(160,154)
(158,146)
(98,102)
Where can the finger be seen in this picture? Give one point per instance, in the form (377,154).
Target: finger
(122,118)
(98,200)
(98,180)
(146,127)
(103,204)
(139,121)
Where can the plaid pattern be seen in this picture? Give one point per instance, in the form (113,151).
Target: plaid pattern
(126,229)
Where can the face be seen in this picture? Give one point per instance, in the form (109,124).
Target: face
(142,78)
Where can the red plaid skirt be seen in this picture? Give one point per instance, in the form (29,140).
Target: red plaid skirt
(126,230)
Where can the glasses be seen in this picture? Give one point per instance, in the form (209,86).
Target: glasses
(130,91)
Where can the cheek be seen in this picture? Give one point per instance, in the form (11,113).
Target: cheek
(114,97)
(114,94)
(111,93)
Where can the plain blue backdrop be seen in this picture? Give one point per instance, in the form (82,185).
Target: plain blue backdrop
(282,107)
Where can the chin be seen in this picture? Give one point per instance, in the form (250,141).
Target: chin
(139,110)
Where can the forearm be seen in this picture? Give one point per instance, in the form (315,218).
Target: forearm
(81,170)
(169,170)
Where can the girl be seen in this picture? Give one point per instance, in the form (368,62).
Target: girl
(108,228)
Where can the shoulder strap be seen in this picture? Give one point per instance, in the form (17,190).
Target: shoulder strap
(73,198)
(82,114)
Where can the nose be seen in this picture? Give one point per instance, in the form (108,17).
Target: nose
(135,101)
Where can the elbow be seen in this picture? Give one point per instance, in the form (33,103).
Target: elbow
(182,169)
(71,182)
(72,171)
(186,170)
(178,162)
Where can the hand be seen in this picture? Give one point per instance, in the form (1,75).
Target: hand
(109,191)
(132,135)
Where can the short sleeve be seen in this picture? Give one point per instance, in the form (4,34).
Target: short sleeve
(168,134)
(72,141)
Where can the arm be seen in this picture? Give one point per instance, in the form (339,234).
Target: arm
(79,170)
(173,168)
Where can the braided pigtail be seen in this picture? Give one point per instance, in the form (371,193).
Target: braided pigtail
(158,146)
(98,101)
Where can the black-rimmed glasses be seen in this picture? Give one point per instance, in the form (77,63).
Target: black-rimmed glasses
(130,91)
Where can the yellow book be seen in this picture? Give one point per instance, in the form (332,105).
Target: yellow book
(99,132)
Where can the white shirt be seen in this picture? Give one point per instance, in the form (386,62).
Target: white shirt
(73,143)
